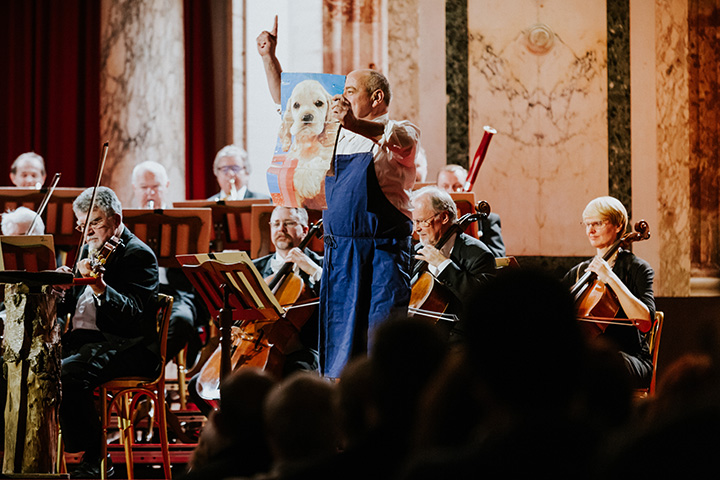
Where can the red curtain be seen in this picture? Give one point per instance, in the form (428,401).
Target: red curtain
(199,101)
(49,93)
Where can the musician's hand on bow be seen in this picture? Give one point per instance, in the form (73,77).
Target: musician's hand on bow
(431,255)
(267,41)
(59,290)
(602,269)
(305,263)
(88,269)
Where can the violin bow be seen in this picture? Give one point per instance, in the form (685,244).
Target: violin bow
(103,157)
(44,203)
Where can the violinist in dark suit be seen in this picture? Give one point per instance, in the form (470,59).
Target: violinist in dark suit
(288,227)
(112,331)
(630,278)
(462,263)
(452,179)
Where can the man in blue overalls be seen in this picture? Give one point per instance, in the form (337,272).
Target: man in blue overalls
(367,224)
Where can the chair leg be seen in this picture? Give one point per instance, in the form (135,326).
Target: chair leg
(163,429)
(60,465)
(104,421)
(128,433)
(181,362)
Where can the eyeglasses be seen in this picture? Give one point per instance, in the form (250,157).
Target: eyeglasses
(94,225)
(424,223)
(593,225)
(287,224)
(230,169)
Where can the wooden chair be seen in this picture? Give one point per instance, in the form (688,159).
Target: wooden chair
(653,338)
(124,394)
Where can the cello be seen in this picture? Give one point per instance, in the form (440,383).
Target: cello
(266,346)
(596,304)
(428,297)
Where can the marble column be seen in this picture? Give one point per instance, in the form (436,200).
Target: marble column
(538,75)
(142,91)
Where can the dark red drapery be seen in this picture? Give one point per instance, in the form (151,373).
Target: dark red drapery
(49,93)
(199,101)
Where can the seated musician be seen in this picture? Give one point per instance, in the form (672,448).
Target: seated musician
(629,277)
(288,226)
(112,331)
(232,171)
(150,184)
(462,263)
(452,179)
(18,221)
(28,171)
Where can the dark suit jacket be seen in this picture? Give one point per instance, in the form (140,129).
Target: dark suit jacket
(472,265)
(490,233)
(248,194)
(126,311)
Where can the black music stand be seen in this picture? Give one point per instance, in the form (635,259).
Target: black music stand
(234,291)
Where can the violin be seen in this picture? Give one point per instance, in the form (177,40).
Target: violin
(428,297)
(98,261)
(595,303)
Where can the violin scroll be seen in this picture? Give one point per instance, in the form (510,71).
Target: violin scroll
(483,208)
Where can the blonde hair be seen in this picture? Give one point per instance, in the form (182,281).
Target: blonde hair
(610,209)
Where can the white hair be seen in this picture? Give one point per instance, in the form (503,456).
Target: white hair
(150,166)
(12,219)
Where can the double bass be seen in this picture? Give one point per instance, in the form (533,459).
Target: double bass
(264,347)
(596,304)
(428,297)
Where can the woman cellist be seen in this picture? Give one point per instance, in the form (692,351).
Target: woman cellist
(628,277)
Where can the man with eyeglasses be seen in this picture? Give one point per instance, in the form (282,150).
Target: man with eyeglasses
(288,227)
(461,264)
(112,331)
(452,179)
(232,171)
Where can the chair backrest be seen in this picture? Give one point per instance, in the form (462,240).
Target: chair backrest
(653,338)
(164,309)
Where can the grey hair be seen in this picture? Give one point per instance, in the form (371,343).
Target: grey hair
(458,170)
(440,200)
(28,156)
(150,166)
(105,200)
(235,152)
(300,212)
(377,81)
(20,215)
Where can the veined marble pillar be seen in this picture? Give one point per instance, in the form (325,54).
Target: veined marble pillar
(538,75)
(142,91)
(660,138)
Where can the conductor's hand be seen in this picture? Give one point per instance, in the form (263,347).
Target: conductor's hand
(342,112)
(303,262)
(431,255)
(267,41)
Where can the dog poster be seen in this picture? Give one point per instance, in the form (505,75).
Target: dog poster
(306,141)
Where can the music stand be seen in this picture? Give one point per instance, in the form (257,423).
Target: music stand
(233,290)
(32,253)
(58,216)
(232,228)
(171,231)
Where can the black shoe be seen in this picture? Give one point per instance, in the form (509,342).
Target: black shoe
(91,469)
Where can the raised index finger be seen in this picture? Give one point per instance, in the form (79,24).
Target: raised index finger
(273,32)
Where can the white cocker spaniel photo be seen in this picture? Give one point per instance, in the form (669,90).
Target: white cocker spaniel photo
(304,136)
